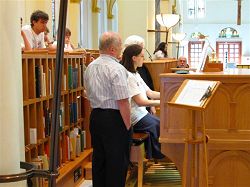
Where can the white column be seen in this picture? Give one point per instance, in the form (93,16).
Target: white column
(11,110)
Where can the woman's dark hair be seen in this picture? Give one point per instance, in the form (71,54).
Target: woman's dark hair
(161,47)
(38,14)
(128,53)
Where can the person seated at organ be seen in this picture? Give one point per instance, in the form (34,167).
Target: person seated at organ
(143,70)
(141,119)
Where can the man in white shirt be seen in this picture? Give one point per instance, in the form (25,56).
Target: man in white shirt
(105,80)
(33,34)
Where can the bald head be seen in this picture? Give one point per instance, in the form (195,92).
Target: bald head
(110,43)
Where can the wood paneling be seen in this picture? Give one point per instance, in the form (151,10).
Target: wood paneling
(157,67)
(227,124)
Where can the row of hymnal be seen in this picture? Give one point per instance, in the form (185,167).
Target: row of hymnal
(73,110)
(73,73)
(33,136)
(47,122)
(40,81)
(73,80)
(80,139)
(72,145)
(61,117)
(47,119)
(73,77)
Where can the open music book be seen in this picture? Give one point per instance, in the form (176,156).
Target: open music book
(194,93)
(203,56)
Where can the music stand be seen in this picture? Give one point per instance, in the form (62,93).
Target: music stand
(195,95)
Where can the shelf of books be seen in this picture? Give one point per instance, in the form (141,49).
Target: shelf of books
(38,71)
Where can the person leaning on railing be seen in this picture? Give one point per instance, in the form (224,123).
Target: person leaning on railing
(33,34)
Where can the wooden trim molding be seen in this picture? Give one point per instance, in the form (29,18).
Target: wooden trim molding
(95,8)
(110,4)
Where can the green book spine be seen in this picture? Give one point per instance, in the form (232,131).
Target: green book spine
(82,141)
(70,76)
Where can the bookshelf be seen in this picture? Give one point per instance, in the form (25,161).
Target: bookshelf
(38,71)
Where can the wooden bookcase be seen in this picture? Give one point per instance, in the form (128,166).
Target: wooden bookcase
(38,71)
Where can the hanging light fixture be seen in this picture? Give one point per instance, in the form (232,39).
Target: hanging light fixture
(178,37)
(168,21)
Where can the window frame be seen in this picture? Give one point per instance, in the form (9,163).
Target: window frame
(195,63)
(231,55)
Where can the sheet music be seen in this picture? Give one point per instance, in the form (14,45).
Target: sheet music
(203,57)
(194,91)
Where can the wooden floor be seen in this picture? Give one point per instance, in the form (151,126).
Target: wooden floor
(156,175)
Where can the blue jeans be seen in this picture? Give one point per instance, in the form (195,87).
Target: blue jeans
(151,125)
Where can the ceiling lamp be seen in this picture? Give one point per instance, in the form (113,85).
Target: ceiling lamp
(178,37)
(168,21)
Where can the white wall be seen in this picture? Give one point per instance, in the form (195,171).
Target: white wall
(132,18)
(135,18)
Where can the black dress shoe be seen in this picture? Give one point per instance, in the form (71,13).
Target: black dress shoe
(159,156)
